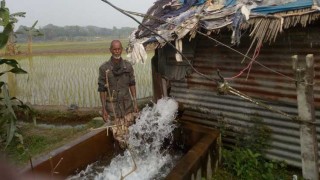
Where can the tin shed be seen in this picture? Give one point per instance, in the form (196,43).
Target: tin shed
(270,33)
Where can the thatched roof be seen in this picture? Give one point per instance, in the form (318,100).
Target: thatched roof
(174,19)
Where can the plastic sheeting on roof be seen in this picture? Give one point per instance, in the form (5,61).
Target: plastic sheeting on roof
(199,2)
(274,6)
(289,6)
(270,2)
(174,19)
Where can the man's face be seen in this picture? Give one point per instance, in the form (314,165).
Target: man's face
(116,49)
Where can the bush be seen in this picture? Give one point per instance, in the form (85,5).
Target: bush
(247,161)
(246,164)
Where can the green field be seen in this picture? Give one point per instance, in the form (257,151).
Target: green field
(68,47)
(67,77)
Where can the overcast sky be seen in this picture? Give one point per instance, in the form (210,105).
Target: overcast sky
(77,12)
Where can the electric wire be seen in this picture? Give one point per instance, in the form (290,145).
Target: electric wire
(155,33)
(221,82)
(245,56)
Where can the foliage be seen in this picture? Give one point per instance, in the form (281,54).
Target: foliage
(222,174)
(246,164)
(8,20)
(246,159)
(73,33)
(8,104)
(257,137)
(39,139)
(31,32)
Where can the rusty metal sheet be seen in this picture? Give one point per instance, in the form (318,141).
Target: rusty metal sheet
(202,105)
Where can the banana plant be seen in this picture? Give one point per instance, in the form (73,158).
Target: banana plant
(8,104)
(9,19)
(12,48)
(31,32)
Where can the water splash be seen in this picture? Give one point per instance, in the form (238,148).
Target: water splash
(154,125)
(146,139)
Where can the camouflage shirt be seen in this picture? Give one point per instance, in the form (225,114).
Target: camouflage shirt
(120,76)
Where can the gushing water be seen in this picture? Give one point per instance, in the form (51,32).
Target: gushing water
(145,140)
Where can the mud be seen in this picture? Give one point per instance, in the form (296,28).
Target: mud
(59,115)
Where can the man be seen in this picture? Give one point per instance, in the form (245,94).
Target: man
(118,92)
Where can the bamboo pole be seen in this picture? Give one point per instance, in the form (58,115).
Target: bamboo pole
(110,95)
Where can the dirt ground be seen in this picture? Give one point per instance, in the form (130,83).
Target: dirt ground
(60,115)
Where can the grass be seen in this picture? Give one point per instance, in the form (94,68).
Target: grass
(42,138)
(39,140)
(223,174)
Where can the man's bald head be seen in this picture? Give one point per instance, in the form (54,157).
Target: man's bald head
(116,49)
(115,43)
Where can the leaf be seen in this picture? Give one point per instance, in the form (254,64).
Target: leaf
(38,32)
(4,36)
(20,137)
(7,101)
(2,121)
(256,155)
(14,98)
(5,15)
(9,114)
(3,4)
(18,14)
(8,28)
(20,146)
(10,131)
(17,70)
(26,28)
(34,25)
(3,40)
(10,62)
(25,107)
(13,20)
(2,73)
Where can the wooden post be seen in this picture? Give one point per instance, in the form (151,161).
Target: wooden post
(305,99)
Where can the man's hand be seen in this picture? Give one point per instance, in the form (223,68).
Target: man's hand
(105,115)
(135,103)
(135,108)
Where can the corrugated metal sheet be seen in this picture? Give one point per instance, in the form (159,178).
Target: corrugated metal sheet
(201,103)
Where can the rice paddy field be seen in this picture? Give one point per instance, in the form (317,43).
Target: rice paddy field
(68,47)
(68,79)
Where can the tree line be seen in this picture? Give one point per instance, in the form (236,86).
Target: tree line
(52,32)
